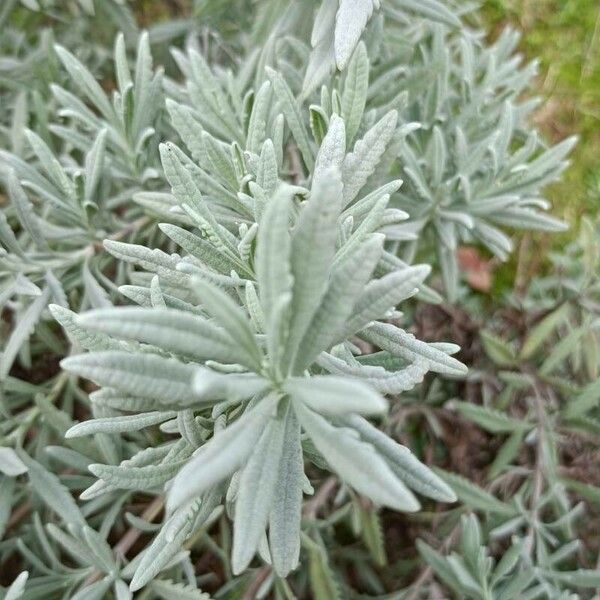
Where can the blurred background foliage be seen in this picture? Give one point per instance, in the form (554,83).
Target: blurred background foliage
(565,37)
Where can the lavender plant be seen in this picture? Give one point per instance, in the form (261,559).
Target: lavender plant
(201,274)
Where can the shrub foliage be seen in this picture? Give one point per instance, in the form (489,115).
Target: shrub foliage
(207,386)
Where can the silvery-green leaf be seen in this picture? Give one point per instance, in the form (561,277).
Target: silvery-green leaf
(27,322)
(200,248)
(403,462)
(137,478)
(100,548)
(186,179)
(266,175)
(398,342)
(226,452)
(332,151)
(8,238)
(361,162)
(491,420)
(74,547)
(7,489)
(380,295)
(170,590)
(119,424)
(431,9)
(50,164)
(286,509)
(10,463)
(156,261)
(49,488)
(25,212)
(356,462)
(345,284)
(69,321)
(386,382)
(313,247)
(258,118)
(94,591)
(256,494)
(210,385)
(189,129)
(292,114)
(167,543)
(172,330)
(331,395)
(273,273)
(219,161)
(354,96)
(474,496)
(350,20)
(94,163)
(17,588)
(83,79)
(210,89)
(95,293)
(121,65)
(231,318)
(143,375)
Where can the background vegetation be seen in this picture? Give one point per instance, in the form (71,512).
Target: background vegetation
(515,440)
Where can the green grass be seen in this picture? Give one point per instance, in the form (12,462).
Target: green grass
(565,36)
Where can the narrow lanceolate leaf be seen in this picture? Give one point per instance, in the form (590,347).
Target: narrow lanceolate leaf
(50,164)
(286,508)
(25,212)
(10,463)
(78,334)
(170,540)
(356,462)
(189,130)
(258,118)
(475,497)
(17,588)
(383,294)
(8,238)
(294,119)
(49,488)
(273,260)
(172,330)
(331,395)
(400,343)
(170,590)
(332,151)
(226,452)
(137,478)
(361,162)
(83,79)
(350,20)
(155,261)
(544,329)
(255,495)
(27,322)
(345,284)
(232,319)
(94,163)
(323,582)
(354,96)
(584,401)
(491,420)
(313,248)
(403,462)
(119,424)
(210,385)
(144,375)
